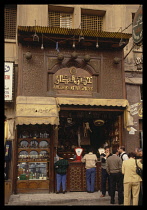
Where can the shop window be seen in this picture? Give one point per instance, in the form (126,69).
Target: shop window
(59,19)
(32,171)
(10,17)
(33,157)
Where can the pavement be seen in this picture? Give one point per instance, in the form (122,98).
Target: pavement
(67,199)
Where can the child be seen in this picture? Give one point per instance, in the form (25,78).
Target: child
(61,169)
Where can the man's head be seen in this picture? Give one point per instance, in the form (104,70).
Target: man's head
(121,149)
(90,149)
(132,155)
(140,152)
(107,149)
(115,151)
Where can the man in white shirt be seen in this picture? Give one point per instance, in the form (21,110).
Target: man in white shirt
(122,154)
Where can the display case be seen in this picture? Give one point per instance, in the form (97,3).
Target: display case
(33,171)
(33,159)
(33,149)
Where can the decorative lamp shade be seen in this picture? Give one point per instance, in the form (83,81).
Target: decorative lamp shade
(99,122)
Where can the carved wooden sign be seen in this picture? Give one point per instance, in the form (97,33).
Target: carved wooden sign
(73,81)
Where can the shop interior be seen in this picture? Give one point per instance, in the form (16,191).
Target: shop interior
(88,128)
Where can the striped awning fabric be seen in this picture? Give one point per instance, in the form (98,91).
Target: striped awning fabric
(70,31)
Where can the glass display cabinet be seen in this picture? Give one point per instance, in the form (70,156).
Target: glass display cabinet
(33,159)
(32,171)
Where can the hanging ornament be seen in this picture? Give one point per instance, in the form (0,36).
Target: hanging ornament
(42,47)
(97,44)
(57,47)
(35,36)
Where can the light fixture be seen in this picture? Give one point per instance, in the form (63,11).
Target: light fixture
(99,122)
(35,36)
(73,44)
(81,37)
(97,44)
(121,40)
(42,47)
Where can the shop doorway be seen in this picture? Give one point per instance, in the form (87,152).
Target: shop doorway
(88,128)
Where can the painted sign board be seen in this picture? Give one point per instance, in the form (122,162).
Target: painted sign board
(8,78)
(137,27)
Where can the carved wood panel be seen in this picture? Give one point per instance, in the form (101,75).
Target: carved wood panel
(76,177)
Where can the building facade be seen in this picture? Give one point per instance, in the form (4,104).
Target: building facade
(71,88)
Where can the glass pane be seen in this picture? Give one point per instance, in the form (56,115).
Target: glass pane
(23,144)
(33,154)
(35,134)
(23,154)
(44,154)
(38,171)
(24,134)
(23,172)
(43,144)
(34,144)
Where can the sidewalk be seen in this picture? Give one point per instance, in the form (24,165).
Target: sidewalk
(69,198)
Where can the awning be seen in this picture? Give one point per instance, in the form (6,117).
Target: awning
(36,110)
(71,31)
(93,102)
(128,120)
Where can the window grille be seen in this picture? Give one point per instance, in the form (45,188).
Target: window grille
(58,19)
(10,14)
(92,22)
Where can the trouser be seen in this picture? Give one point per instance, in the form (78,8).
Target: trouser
(104,177)
(116,179)
(140,202)
(90,179)
(135,188)
(61,179)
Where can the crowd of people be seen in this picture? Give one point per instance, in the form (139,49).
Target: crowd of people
(118,172)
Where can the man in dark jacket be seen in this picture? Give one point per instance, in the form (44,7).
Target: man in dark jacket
(114,168)
(61,169)
(104,174)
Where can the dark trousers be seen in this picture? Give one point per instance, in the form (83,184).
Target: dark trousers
(116,179)
(104,177)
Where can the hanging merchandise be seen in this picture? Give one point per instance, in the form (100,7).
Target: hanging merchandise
(8,148)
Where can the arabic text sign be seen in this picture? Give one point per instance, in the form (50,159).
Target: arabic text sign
(137,26)
(73,79)
(8,78)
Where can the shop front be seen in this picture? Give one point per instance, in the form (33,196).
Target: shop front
(36,118)
(47,126)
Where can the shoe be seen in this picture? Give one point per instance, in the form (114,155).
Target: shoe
(63,192)
(57,192)
(88,191)
(102,195)
(112,202)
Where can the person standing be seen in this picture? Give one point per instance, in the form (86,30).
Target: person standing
(131,179)
(61,169)
(90,161)
(104,174)
(114,168)
(122,154)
